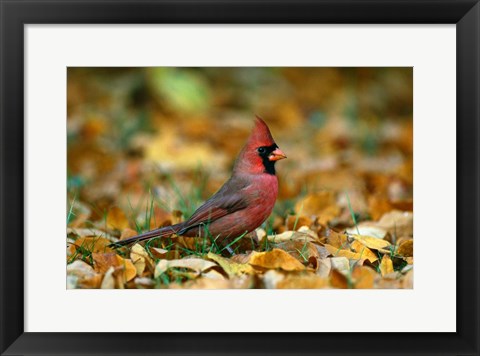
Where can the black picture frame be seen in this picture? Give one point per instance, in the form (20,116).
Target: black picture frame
(17,13)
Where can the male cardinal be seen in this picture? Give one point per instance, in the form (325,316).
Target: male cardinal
(243,203)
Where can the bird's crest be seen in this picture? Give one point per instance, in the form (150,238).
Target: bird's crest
(260,135)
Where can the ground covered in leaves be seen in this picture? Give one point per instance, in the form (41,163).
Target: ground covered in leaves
(147,146)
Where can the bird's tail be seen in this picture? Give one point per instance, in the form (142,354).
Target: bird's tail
(162,232)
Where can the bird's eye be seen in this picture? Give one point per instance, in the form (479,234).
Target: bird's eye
(261,150)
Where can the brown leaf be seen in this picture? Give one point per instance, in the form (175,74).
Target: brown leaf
(275,259)
(103,262)
(338,280)
(405,248)
(336,239)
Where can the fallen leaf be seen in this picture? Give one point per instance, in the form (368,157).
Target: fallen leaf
(108,281)
(324,267)
(275,259)
(103,262)
(161,253)
(373,243)
(84,276)
(364,251)
(405,248)
(92,244)
(271,278)
(144,282)
(290,236)
(340,264)
(140,258)
(338,252)
(195,264)
(338,280)
(398,223)
(367,229)
(301,250)
(363,277)
(90,232)
(407,281)
(336,239)
(230,267)
(386,265)
(302,281)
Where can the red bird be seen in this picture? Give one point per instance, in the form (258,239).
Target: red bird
(243,203)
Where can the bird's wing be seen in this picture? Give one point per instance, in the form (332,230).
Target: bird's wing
(227,200)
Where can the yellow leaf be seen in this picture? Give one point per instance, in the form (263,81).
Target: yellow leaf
(140,258)
(364,251)
(129,270)
(338,252)
(231,268)
(275,259)
(373,243)
(386,265)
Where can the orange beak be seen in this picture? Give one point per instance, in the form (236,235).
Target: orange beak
(276,155)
